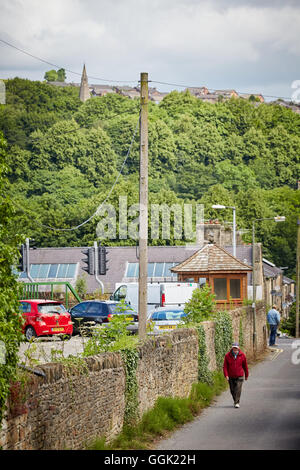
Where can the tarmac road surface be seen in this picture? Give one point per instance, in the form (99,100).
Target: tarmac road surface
(269,413)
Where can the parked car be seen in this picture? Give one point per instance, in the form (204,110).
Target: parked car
(165,318)
(96,312)
(45,317)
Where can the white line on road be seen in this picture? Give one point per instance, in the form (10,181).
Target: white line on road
(277,354)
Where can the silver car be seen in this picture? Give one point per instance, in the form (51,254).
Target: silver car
(165,319)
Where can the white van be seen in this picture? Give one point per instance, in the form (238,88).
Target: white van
(160,294)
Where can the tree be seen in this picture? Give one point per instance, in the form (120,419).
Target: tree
(51,76)
(10,318)
(201,306)
(61,75)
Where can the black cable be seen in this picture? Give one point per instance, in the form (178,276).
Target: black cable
(59,67)
(129,81)
(215,89)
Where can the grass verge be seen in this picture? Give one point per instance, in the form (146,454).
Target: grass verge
(167,415)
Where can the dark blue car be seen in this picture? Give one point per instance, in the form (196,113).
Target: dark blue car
(96,312)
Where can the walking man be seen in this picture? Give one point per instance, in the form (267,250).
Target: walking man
(234,368)
(273,318)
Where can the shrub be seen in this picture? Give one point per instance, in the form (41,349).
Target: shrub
(201,306)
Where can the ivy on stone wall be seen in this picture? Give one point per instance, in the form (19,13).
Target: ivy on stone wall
(241,334)
(204,374)
(130,359)
(223,336)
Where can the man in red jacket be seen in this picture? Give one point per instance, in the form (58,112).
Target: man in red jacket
(234,368)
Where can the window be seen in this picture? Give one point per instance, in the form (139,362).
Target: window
(175,315)
(94,308)
(120,293)
(159,270)
(52,271)
(161,316)
(43,271)
(62,270)
(25,307)
(51,308)
(150,269)
(220,288)
(167,272)
(132,270)
(227,288)
(80,308)
(235,288)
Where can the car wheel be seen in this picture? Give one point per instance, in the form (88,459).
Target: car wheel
(30,333)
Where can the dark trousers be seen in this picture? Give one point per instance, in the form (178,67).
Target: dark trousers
(273,334)
(235,385)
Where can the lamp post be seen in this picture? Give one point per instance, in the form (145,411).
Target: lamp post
(275,219)
(220,206)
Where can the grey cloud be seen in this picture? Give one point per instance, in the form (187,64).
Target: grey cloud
(221,44)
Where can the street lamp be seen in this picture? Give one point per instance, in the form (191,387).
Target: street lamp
(275,219)
(220,206)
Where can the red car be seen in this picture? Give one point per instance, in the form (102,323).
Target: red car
(45,317)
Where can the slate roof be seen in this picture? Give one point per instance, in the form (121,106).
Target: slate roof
(118,257)
(270,270)
(212,258)
(287,280)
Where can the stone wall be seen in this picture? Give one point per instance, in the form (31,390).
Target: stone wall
(168,366)
(69,407)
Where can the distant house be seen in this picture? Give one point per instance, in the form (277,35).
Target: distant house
(279,290)
(209,98)
(226,94)
(198,91)
(289,105)
(101,90)
(128,91)
(156,96)
(247,96)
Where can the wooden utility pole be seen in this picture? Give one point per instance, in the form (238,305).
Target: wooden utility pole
(297,276)
(143,229)
(254,290)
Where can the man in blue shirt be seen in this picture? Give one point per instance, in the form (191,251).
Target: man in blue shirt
(273,319)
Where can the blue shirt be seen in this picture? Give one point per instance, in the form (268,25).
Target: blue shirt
(273,317)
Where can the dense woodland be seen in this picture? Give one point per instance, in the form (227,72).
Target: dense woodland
(63,157)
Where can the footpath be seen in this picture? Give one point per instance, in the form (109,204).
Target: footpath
(269,415)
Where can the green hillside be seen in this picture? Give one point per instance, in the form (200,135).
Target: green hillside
(63,157)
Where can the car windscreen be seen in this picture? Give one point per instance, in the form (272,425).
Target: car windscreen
(119,308)
(51,308)
(167,315)
(175,315)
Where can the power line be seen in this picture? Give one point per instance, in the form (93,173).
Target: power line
(129,81)
(59,67)
(215,89)
(103,202)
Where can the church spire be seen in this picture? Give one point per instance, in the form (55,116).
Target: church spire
(84,93)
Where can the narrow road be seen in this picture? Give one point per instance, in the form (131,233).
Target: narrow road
(269,416)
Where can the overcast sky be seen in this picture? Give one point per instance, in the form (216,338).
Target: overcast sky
(250,46)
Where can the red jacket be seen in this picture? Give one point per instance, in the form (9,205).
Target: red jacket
(235,367)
